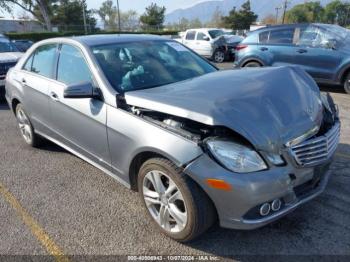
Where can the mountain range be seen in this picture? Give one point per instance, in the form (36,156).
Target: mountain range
(205,10)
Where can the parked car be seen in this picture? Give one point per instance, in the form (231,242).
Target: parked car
(198,144)
(322,50)
(22,45)
(9,56)
(211,43)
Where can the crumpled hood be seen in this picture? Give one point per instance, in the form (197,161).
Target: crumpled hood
(268,106)
(10,57)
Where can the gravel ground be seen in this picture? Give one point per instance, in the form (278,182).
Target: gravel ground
(87,213)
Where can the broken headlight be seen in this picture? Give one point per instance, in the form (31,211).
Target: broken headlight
(236,157)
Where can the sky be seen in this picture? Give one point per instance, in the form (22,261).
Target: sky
(138,5)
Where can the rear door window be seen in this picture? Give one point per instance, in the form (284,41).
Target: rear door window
(284,36)
(190,35)
(42,61)
(264,37)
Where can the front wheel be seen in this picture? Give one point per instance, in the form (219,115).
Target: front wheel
(176,204)
(347,84)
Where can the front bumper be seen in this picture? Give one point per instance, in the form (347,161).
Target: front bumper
(237,208)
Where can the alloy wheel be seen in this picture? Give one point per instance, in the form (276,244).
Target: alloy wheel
(24,126)
(164,201)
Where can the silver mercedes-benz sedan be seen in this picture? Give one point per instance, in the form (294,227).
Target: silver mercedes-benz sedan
(243,147)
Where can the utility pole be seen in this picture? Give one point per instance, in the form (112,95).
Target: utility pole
(84,16)
(285,5)
(277,11)
(119,26)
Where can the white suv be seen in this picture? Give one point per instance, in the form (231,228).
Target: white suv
(206,42)
(9,56)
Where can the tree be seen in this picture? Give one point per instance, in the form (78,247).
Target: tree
(337,12)
(129,20)
(29,6)
(108,13)
(216,19)
(69,14)
(242,19)
(305,13)
(184,24)
(153,17)
(195,23)
(269,20)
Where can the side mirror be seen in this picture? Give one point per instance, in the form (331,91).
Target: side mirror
(80,90)
(206,38)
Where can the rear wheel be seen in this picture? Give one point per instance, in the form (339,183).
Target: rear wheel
(26,128)
(252,64)
(347,84)
(219,56)
(176,204)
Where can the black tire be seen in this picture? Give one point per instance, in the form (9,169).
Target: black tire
(33,139)
(347,84)
(201,213)
(252,64)
(219,56)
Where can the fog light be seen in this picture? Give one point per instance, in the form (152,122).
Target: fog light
(276,205)
(265,209)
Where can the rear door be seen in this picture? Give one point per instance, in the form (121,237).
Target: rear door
(35,78)
(79,123)
(319,60)
(190,40)
(277,46)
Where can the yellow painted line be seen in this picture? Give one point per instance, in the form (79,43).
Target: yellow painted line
(36,230)
(343,155)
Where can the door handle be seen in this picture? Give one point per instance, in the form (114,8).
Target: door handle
(302,51)
(264,49)
(54,96)
(24,81)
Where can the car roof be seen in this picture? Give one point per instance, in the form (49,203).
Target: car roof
(282,26)
(93,40)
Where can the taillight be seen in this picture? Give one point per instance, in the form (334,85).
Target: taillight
(241,47)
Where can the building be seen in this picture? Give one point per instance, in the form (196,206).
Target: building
(19,25)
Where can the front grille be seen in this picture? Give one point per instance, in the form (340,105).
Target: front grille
(318,149)
(4,68)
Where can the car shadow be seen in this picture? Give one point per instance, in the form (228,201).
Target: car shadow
(317,225)
(332,88)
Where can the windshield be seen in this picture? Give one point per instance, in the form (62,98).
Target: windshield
(216,33)
(148,64)
(7,46)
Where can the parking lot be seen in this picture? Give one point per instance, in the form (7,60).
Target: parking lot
(52,202)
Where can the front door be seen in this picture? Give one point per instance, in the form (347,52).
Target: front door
(79,123)
(314,56)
